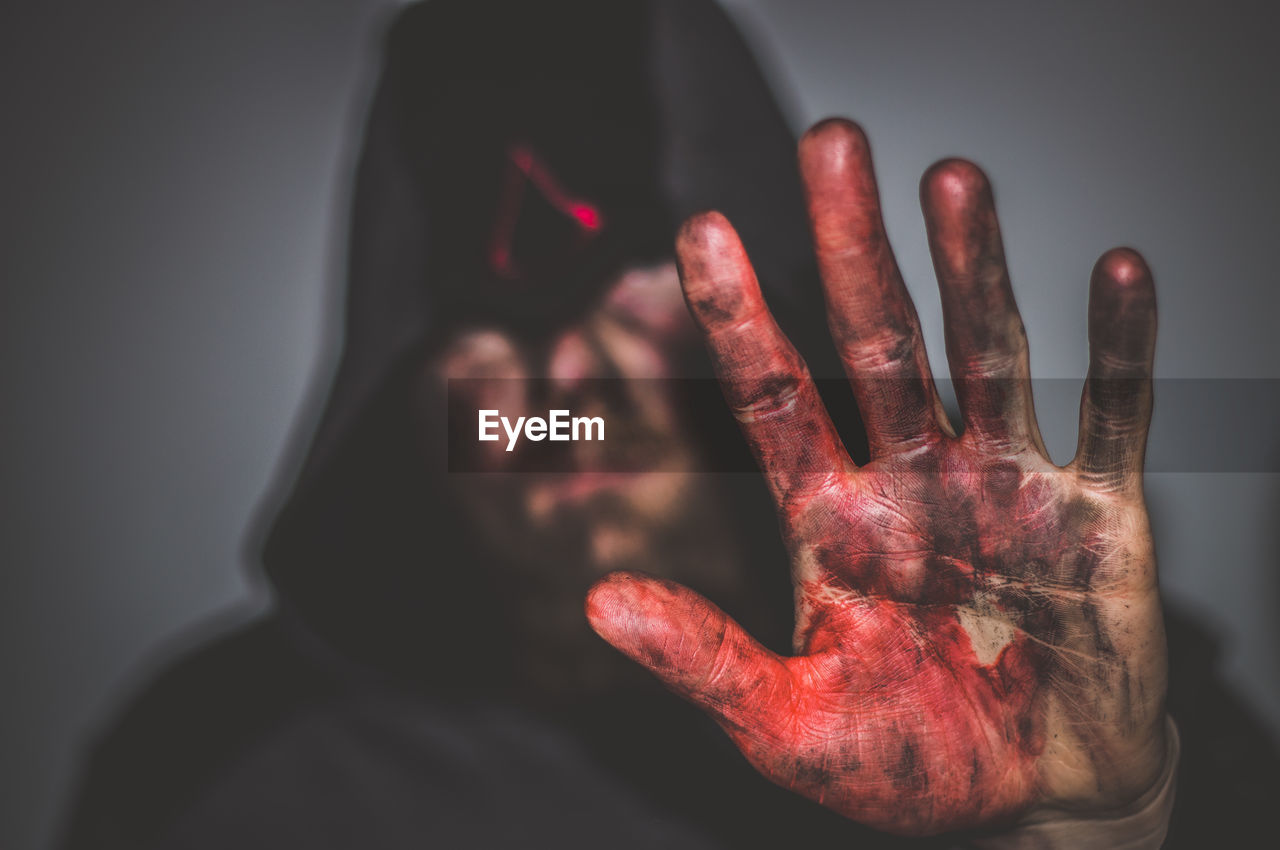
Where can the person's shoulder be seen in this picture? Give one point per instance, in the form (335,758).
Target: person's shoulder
(249,674)
(185,726)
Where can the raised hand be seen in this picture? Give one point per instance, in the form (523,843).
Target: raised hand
(978,633)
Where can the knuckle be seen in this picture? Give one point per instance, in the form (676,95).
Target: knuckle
(771,396)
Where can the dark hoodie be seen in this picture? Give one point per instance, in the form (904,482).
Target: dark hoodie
(644,112)
(517,154)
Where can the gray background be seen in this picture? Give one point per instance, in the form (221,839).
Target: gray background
(173,180)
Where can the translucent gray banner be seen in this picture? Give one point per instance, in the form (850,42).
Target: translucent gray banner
(636,425)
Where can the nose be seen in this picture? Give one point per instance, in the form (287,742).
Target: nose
(572,360)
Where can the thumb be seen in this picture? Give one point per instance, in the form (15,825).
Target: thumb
(696,649)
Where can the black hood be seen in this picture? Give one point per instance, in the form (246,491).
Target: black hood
(516,154)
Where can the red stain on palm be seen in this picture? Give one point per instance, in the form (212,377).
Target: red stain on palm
(886,712)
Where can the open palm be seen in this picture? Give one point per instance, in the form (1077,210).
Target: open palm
(978,633)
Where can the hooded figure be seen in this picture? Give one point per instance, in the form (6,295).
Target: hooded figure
(520,158)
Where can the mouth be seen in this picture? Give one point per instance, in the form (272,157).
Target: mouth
(574,488)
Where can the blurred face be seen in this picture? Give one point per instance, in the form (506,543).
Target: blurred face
(586,507)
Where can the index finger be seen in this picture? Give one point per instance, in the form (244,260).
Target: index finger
(764,379)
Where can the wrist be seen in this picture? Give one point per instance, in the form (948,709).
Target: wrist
(1142,825)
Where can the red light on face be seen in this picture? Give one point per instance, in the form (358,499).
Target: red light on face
(525,168)
(586,215)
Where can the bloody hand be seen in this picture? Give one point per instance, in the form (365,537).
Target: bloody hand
(978,633)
